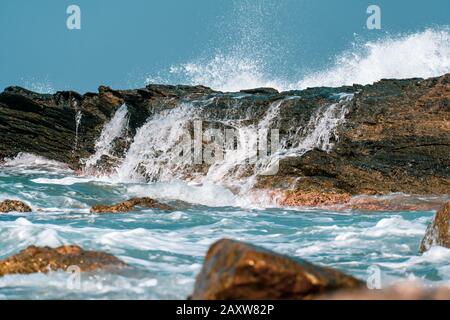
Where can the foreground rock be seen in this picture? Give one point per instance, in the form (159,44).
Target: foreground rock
(44,259)
(438,231)
(14,206)
(130,205)
(235,270)
(403,291)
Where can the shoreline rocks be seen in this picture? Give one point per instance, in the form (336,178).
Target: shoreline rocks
(395,137)
(401,291)
(129,205)
(438,231)
(234,270)
(44,259)
(14,206)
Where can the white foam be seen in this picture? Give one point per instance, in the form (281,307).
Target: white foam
(151,151)
(28,160)
(208,193)
(421,54)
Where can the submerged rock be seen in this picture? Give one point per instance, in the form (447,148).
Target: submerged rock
(438,231)
(14,206)
(129,205)
(235,270)
(44,259)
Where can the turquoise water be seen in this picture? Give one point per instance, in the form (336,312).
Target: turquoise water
(165,250)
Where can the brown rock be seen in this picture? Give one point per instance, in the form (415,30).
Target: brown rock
(235,270)
(298,198)
(404,291)
(43,259)
(129,205)
(14,206)
(438,232)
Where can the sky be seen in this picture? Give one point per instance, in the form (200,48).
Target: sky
(125,44)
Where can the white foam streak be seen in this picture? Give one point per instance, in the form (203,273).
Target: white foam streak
(111,131)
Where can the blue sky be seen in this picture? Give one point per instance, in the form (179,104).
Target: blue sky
(121,43)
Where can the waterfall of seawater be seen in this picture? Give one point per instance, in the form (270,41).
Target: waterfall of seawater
(161,150)
(112,130)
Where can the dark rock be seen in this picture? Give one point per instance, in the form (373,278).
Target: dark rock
(14,206)
(130,205)
(438,231)
(396,136)
(44,259)
(234,270)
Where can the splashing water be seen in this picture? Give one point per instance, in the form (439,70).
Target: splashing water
(321,129)
(111,131)
(422,54)
(151,155)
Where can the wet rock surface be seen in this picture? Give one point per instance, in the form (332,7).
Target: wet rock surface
(395,137)
(438,231)
(14,206)
(44,259)
(402,291)
(130,205)
(234,270)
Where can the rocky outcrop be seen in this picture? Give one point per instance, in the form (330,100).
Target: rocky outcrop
(395,137)
(14,206)
(438,231)
(129,205)
(235,270)
(44,259)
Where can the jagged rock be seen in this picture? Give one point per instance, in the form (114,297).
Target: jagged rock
(14,206)
(438,231)
(395,138)
(129,205)
(44,259)
(235,270)
(297,198)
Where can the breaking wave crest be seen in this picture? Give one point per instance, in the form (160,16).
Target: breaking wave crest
(422,54)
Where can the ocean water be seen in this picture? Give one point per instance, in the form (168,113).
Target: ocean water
(165,250)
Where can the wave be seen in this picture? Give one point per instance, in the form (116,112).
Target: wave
(422,54)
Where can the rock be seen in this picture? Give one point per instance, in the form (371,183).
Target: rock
(438,231)
(129,205)
(402,291)
(44,259)
(234,270)
(395,137)
(298,198)
(14,206)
